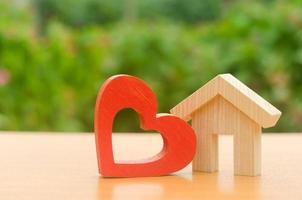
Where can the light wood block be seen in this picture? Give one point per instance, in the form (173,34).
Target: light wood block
(226,106)
(206,157)
(247,151)
(234,91)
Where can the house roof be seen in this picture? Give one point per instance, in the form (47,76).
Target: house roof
(235,92)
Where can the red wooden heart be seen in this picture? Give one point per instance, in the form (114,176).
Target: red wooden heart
(123,91)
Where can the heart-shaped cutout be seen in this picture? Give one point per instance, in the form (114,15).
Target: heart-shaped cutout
(123,91)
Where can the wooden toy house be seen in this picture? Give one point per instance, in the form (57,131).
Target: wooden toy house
(226,106)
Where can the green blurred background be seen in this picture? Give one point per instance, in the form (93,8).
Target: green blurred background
(55,54)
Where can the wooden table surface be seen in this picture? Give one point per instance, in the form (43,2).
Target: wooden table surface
(63,166)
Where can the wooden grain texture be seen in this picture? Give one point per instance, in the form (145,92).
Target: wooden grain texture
(221,117)
(36,166)
(226,106)
(234,91)
(124,91)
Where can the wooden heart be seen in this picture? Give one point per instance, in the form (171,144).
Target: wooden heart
(123,91)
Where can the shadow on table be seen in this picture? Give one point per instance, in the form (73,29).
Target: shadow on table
(196,186)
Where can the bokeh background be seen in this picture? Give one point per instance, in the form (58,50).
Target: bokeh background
(55,54)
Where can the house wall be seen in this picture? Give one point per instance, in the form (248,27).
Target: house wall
(221,117)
